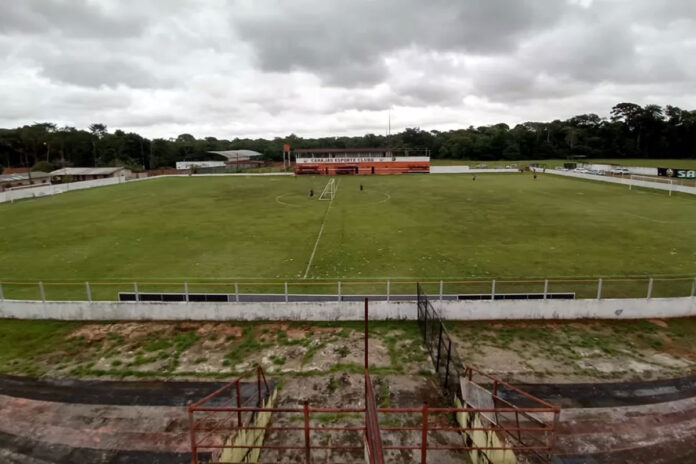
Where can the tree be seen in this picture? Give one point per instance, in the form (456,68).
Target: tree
(42,166)
(630,130)
(98,131)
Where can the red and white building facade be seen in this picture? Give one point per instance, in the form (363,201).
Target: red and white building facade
(336,161)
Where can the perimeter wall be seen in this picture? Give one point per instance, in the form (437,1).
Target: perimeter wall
(625,308)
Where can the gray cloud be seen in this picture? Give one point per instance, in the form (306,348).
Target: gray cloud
(345,41)
(88,71)
(70,18)
(248,68)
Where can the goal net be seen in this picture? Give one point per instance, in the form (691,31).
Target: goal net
(646,181)
(329,191)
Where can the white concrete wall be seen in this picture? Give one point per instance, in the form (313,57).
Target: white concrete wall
(351,311)
(36,192)
(466,170)
(625,181)
(69,187)
(639,170)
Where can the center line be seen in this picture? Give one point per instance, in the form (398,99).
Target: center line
(321,230)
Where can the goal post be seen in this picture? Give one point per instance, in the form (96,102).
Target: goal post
(640,181)
(329,191)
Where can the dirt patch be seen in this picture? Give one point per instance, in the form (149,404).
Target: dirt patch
(561,351)
(349,350)
(129,330)
(659,322)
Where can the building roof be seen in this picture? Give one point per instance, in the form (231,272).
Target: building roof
(14,170)
(23,176)
(85,171)
(342,150)
(234,155)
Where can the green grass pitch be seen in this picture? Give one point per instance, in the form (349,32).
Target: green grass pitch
(408,227)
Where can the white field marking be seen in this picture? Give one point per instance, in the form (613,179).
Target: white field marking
(321,230)
(277,199)
(387,198)
(658,220)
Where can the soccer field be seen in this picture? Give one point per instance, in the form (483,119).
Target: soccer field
(409,227)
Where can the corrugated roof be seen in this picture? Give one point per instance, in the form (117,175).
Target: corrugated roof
(22,176)
(237,154)
(85,171)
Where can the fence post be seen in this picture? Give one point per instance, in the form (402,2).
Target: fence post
(650,287)
(388,290)
(306,432)
(439,342)
(186,292)
(194,448)
(441,287)
(236,292)
(339,290)
(239,404)
(135,289)
(493,289)
(286,292)
(449,355)
(43,293)
(89,291)
(424,434)
(546,288)
(599,288)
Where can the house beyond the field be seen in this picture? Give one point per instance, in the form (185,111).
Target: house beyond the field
(24,179)
(79,174)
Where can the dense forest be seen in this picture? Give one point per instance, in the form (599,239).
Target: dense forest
(630,131)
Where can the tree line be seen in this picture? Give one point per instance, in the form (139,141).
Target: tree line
(629,131)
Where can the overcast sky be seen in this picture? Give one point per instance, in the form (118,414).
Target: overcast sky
(322,67)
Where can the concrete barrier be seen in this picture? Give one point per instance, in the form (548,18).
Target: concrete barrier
(46,190)
(467,170)
(624,181)
(626,308)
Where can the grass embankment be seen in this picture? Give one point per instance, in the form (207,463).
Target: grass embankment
(214,350)
(576,350)
(520,351)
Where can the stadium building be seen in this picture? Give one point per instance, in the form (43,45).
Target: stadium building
(333,161)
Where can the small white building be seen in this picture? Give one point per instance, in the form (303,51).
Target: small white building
(183,165)
(79,174)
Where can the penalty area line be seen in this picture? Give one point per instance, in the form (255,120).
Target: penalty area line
(321,231)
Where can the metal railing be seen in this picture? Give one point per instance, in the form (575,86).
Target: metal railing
(527,422)
(528,429)
(346,290)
